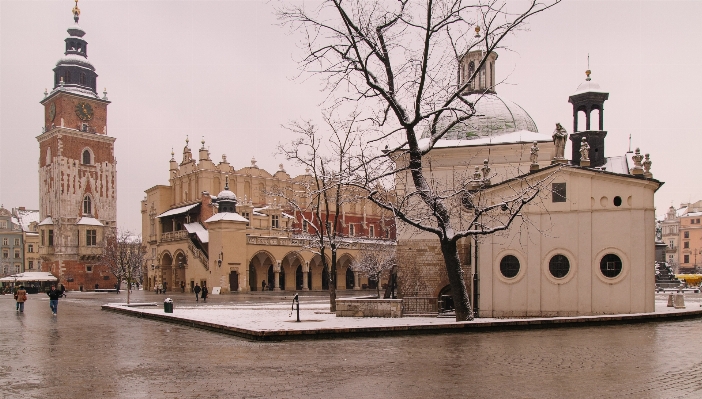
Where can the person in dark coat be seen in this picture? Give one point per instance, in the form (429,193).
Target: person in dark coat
(204,293)
(197,292)
(54,296)
(263,285)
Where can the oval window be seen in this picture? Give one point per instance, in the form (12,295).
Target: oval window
(559,266)
(617,201)
(610,265)
(509,266)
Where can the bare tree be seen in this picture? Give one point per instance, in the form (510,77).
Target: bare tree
(375,260)
(124,255)
(399,60)
(319,196)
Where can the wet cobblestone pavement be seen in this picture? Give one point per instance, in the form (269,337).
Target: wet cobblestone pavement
(85,352)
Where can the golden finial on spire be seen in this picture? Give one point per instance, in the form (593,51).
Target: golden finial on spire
(477,31)
(76,12)
(588,72)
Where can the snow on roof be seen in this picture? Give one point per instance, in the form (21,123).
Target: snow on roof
(259,214)
(522,136)
(46,221)
(616,165)
(89,222)
(178,211)
(27,217)
(285,215)
(226,216)
(29,276)
(199,230)
(694,214)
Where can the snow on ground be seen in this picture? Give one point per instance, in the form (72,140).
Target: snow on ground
(314,315)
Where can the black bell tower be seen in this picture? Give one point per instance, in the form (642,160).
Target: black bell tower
(587,98)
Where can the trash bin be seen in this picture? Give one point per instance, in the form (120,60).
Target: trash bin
(168,305)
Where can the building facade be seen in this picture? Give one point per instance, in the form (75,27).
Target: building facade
(245,238)
(690,238)
(77,171)
(11,244)
(586,243)
(29,223)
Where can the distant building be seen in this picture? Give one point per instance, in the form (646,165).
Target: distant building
(29,223)
(220,226)
(11,243)
(77,171)
(690,238)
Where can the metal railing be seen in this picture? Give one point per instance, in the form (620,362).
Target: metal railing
(174,235)
(420,305)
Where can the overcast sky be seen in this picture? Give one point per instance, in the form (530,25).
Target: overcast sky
(226,71)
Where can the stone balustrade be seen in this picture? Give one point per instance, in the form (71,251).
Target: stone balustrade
(355,307)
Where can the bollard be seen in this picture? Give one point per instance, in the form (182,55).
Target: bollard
(679,301)
(168,305)
(670,301)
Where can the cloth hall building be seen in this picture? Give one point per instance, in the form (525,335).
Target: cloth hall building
(219,226)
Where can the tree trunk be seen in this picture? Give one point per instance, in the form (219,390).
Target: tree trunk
(461,300)
(332,282)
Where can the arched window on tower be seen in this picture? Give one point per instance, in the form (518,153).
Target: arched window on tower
(81,78)
(48,156)
(87,158)
(87,205)
(67,77)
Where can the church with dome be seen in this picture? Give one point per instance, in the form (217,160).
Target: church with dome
(585,246)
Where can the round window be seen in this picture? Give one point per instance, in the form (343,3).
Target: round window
(559,266)
(617,201)
(610,265)
(509,266)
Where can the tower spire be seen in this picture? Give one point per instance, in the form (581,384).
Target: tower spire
(76,12)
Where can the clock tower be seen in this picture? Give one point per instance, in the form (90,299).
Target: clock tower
(77,171)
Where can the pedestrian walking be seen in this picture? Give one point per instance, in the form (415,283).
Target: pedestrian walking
(204,293)
(263,285)
(197,292)
(54,295)
(159,288)
(182,286)
(21,298)
(165,287)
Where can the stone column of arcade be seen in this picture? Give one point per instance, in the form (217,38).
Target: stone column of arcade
(276,278)
(305,274)
(356,280)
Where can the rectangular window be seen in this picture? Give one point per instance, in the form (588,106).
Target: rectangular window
(31,264)
(89,269)
(91,238)
(351,232)
(17,268)
(3,224)
(17,254)
(686,234)
(5,254)
(672,244)
(305,226)
(5,242)
(558,191)
(371,232)
(30,248)
(42,238)
(247,217)
(51,237)
(274,221)
(686,259)
(686,244)
(17,241)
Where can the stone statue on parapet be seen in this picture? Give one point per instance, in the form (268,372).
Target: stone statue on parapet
(560,135)
(584,150)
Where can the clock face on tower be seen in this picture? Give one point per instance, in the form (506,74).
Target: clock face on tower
(52,111)
(84,111)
